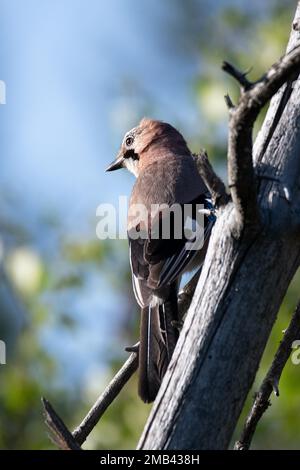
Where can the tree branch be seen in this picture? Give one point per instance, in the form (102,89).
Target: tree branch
(228,102)
(271,381)
(238,75)
(185,296)
(254,96)
(212,180)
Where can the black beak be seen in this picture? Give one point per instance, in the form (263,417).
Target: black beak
(116,164)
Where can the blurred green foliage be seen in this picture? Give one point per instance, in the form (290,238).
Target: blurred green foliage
(249,37)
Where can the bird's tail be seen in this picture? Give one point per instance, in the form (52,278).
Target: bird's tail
(158,337)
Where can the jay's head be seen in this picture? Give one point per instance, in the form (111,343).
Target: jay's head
(147,143)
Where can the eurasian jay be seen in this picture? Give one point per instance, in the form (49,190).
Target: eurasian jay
(167,176)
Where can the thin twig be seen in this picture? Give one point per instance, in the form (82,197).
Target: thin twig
(211,179)
(60,434)
(185,296)
(241,77)
(106,398)
(270,383)
(241,176)
(228,102)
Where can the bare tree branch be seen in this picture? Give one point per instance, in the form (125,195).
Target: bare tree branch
(185,296)
(242,181)
(212,180)
(228,102)
(238,75)
(271,381)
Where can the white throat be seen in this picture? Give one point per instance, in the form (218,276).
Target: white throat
(132,165)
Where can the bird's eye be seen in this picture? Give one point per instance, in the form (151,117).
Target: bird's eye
(129,141)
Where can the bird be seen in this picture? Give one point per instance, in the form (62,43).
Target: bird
(166,176)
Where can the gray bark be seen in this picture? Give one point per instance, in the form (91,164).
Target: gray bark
(240,290)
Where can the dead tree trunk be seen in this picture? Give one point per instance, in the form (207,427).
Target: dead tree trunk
(253,254)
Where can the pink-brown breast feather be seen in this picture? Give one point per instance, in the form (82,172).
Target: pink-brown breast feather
(167,180)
